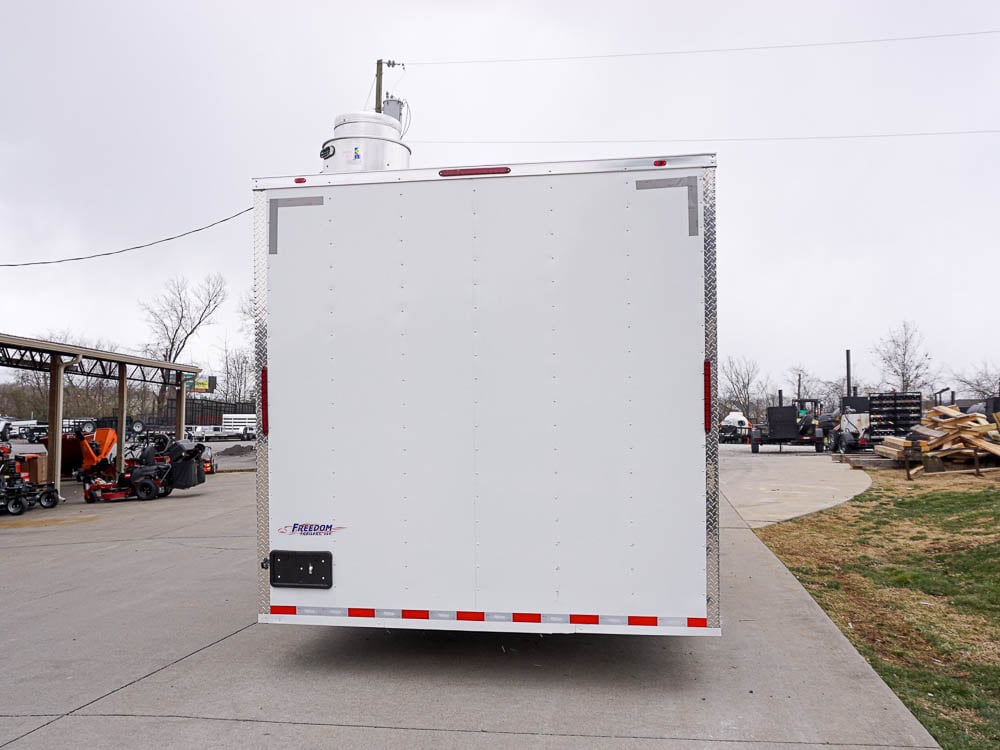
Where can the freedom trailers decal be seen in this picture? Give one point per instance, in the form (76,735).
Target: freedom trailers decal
(310,529)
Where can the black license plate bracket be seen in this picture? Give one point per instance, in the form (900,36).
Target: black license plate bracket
(301,569)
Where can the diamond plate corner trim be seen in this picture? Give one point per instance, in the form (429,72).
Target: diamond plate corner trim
(260,252)
(712,439)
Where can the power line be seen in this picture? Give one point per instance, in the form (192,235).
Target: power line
(370,89)
(126,249)
(751,139)
(536,142)
(711,50)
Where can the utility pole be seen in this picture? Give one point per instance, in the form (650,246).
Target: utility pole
(378,86)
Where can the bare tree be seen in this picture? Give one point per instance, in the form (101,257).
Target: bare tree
(740,377)
(982,382)
(247,311)
(765,395)
(811,386)
(237,382)
(177,315)
(905,364)
(826,391)
(179,312)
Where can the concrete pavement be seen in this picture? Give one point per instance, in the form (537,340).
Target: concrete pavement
(769,486)
(132,625)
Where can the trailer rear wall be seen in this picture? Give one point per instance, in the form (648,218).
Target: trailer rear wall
(486,398)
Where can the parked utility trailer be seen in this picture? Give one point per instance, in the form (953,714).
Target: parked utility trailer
(487,398)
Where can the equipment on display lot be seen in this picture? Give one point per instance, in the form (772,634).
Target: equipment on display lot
(863,422)
(487,393)
(18,494)
(789,425)
(153,469)
(735,428)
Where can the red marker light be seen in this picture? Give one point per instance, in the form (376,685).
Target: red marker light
(660,163)
(299,180)
(263,400)
(708,396)
(469,171)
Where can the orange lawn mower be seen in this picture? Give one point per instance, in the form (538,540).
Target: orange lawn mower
(158,469)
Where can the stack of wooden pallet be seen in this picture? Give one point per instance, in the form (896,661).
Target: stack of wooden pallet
(945,433)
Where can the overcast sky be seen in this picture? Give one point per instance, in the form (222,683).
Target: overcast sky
(123,122)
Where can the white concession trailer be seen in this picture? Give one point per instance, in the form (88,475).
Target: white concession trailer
(487,394)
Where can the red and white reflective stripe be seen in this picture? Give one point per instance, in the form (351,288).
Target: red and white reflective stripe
(475,616)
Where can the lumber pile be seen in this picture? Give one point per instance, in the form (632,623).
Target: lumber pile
(946,434)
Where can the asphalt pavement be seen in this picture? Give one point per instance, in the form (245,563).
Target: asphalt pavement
(133,625)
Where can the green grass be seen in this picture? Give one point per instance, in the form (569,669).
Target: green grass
(917,569)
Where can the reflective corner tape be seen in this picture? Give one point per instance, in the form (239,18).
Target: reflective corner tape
(691,183)
(272,218)
(509,617)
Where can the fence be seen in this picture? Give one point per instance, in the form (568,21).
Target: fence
(200,411)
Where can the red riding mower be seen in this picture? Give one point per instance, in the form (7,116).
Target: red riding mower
(159,468)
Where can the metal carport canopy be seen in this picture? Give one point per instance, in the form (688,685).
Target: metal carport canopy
(36,354)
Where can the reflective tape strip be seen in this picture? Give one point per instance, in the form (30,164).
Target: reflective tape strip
(475,616)
(273,205)
(525,617)
(691,183)
(637,620)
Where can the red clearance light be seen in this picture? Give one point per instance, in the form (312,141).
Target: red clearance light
(299,180)
(660,163)
(708,396)
(465,172)
(263,399)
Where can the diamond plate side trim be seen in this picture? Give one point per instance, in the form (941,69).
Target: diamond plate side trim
(712,438)
(260,250)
